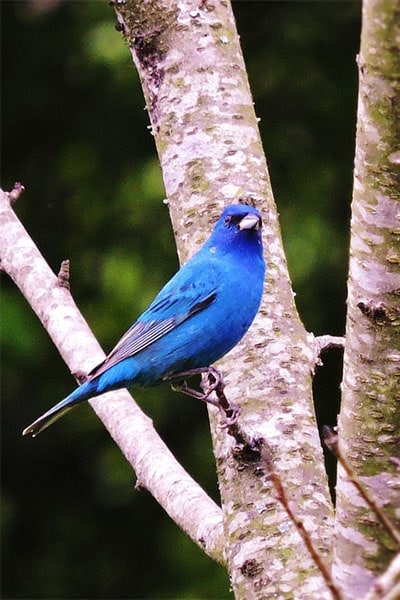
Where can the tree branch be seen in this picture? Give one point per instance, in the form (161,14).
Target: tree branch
(156,468)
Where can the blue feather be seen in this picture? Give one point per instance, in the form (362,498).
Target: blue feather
(197,317)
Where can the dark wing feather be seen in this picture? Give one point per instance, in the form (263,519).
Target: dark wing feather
(144,333)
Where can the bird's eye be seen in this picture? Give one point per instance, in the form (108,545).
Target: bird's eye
(232,220)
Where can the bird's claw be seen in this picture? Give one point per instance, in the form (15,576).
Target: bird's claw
(212,383)
(230,415)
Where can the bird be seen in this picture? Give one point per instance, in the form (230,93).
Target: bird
(199,315)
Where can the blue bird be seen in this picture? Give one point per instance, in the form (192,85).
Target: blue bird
(197,317)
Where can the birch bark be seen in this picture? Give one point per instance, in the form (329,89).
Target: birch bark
(369,425)
(202,117)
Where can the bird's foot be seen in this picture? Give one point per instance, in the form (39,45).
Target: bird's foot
(212,383)
(230,411)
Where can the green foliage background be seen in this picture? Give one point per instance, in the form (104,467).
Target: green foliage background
(75,133)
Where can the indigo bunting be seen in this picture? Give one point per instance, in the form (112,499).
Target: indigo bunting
(197,317)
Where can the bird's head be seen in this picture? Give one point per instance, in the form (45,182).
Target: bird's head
(238,227)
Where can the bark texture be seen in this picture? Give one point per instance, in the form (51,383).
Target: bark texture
(369,426)
(205,129)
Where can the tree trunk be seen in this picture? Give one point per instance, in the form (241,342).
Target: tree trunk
(205,129)
(369,425)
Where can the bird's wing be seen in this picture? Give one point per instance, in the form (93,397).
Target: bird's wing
(170,308)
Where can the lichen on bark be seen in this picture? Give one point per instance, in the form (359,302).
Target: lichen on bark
(206,134)
(369,425)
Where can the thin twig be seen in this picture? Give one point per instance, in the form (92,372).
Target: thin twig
(330,438)
(247,448)
(281,494)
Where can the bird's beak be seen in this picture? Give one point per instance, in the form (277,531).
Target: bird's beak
(250,221)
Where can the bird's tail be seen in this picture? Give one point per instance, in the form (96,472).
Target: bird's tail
(83,392)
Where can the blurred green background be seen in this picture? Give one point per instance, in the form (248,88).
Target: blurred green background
(75,133)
